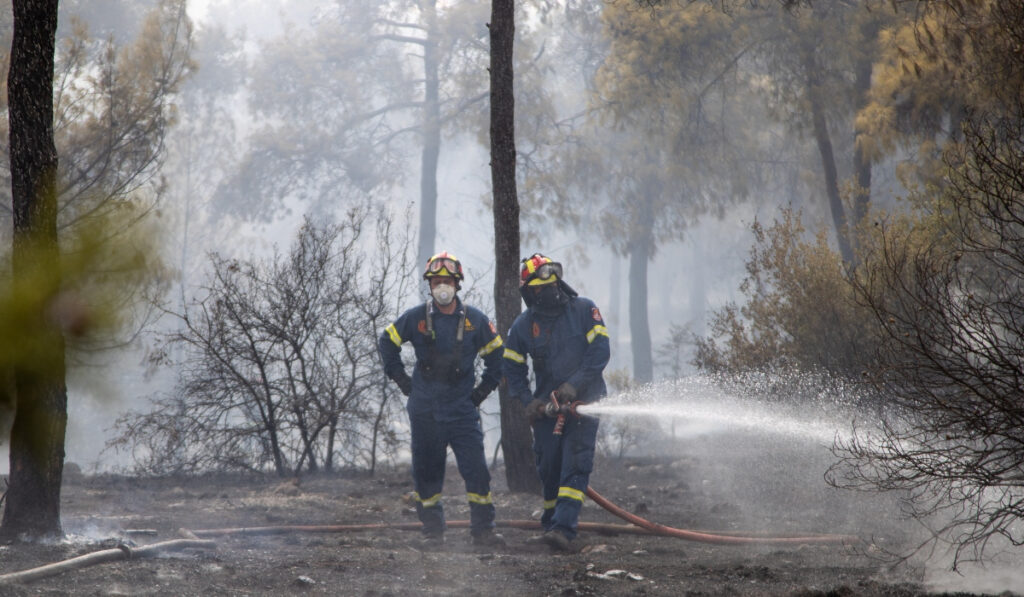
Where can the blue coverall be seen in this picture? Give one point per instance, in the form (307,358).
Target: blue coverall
(441,412)
(570,347)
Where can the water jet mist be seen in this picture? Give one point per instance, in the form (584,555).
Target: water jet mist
(797,406)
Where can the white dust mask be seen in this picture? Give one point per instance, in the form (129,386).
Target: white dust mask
(444,294)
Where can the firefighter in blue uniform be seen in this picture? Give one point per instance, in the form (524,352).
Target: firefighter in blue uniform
(567,341)
(447,336)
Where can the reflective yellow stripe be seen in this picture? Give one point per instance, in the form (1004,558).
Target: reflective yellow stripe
(429,502)
(514,356)
(549,504)
(493,344)
(569,492)
(393,332)
(595,332)
(476,498)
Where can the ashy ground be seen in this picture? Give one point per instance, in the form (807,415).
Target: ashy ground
(720,483)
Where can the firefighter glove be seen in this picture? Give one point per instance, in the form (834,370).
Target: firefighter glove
(535,410)
(566,393)
(479,394)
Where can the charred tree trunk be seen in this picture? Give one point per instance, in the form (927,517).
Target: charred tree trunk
(640,248)
(520,471)
(37,436)
(431,137)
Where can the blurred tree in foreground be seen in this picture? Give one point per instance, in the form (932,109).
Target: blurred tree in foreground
(281,370)
(86,198)
(32,500)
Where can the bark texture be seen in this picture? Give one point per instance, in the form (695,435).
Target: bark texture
(32,505)
(520,469)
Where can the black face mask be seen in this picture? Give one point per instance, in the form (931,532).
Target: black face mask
(550,297)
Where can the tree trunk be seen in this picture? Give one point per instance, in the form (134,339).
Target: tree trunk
(640,247)
(861,164)
(431,137)
(37,436)
(520,469)
(697,282)
(828,159)
(615,303)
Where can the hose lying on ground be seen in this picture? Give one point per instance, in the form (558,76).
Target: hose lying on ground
(594,527)
(639,526)
(704,537)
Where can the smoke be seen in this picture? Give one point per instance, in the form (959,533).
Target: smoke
(1001,573)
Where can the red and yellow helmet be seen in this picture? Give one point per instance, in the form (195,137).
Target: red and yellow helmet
(443,264)
(538,269)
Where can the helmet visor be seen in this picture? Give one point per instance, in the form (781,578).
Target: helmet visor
(547,273)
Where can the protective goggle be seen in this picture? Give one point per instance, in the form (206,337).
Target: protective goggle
(544,273)
(451,267)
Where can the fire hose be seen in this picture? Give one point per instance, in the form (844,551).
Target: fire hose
(637,526)
(556,410)
(559,412)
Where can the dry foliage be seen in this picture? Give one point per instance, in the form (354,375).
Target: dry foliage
(278,362)
(947,294)
(800,310)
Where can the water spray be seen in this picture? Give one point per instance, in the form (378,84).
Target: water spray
(707,404)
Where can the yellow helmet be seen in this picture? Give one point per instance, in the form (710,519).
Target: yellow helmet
(443,264)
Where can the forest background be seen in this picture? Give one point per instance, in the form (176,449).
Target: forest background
(829,187)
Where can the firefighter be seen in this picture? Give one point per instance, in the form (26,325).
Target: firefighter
(447,336)
(567,341)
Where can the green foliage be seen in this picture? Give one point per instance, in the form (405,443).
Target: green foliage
(800,309)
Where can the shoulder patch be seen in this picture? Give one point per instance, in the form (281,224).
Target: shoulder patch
(494,330)
(596,314)
(422,326)
(536,329)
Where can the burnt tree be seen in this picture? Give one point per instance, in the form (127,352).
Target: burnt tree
(947,296)
(520,470)
(37,436)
